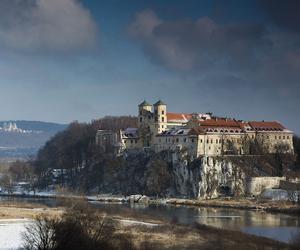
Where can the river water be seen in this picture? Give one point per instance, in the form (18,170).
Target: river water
(278,226)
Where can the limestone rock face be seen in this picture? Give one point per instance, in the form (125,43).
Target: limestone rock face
(208,178)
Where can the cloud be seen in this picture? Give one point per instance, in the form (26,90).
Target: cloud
(202,44)
(285,13)
(46,25)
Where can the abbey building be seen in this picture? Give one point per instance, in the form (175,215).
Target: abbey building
(197,134)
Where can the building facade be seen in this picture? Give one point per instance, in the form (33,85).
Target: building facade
(200,134)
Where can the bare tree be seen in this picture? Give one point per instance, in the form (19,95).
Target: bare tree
(40,234)
(6,182)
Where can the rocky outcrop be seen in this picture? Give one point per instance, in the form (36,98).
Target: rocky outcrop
(138,198)
(208,177)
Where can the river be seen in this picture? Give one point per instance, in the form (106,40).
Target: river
(278,226)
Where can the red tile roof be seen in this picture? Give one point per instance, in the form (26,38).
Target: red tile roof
(220,123)
(266,125)
(178,117)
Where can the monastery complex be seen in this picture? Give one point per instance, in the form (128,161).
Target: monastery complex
(197,134)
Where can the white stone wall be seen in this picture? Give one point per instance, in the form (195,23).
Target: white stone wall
(257,184)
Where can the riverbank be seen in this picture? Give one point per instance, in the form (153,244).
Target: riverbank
(154,233)
(228,202)
(15,211)
(251,204)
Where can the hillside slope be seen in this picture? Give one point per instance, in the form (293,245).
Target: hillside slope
(20,139)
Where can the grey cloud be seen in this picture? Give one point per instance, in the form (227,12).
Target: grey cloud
(54,25)
(202,44)
(284,13)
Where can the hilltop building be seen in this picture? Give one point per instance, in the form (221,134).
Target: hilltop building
(197,134)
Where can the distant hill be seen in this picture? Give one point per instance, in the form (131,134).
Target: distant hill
(19,139)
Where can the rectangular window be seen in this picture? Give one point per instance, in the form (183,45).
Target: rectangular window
(184,139)
(192,140)
(287,137)
(141,119)
(207,141)
(201,141)
(283,137)
(275,137)
(162,112)
(177,140)
(162,119)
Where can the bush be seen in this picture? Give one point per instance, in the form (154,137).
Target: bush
(78,228)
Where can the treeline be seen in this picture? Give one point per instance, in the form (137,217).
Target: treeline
(74,148)
(296,142)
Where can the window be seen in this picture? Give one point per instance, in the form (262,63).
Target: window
(149,117)
(287,137)
(275,137)
(131,141)
(279,137)
(162,126)
(184,139)
(140,112)
(201,141)
(211,141)
(156,119)
(217,141)
(162,119)
(141,119)
(283,137)
(207,141)
(125,141)
(162,112)
(177,140)
(192,140)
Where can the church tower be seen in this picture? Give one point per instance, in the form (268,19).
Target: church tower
(145,109)
(160,117)
(145,123)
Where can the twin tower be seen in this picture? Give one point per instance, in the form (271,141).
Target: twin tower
(153,117)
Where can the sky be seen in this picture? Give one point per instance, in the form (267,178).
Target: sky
(66,60)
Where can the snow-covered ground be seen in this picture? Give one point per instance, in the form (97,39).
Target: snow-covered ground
(11,233)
